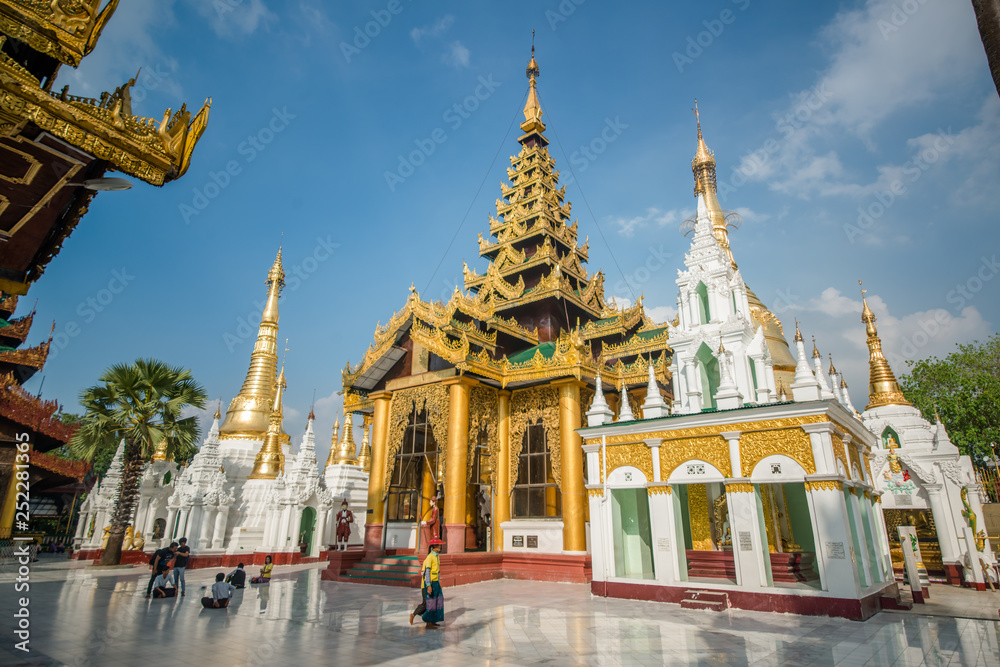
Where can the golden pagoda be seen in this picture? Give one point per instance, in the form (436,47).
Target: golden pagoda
(346,450)
(249,413)
(270,460)
(882,386)
(463,395)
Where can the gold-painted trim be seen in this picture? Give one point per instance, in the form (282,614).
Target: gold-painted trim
(739,487)
(824,485)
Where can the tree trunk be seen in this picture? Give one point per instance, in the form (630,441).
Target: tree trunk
(988,18)
(128,491)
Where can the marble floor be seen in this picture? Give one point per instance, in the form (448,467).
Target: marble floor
(81,616)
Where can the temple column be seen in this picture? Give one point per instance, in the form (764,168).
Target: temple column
(219,533)
(376,478)
(457,458)
(168,530)
(828,509)
(664,545)
(317,542)
(749,540)
(501,508)
(81,529)
(193,529)
(947,539)
(152,508)
(857,531)
(571,444)
(207,527)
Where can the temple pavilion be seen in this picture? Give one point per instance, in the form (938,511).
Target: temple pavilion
(475,402)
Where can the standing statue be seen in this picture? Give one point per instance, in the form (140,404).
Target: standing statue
(127,542)
(344,520)
(107,534)
(433,519)
(138,542)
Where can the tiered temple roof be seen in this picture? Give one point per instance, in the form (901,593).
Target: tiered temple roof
(535,313)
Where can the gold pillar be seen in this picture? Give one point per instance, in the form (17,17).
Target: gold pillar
(700,522)
(457,462)
(380,442)
(10,497)
(501,507)
(573,492)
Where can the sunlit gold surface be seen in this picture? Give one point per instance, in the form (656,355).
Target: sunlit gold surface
(572,487)
(249,413)
(270,461)
(882,386)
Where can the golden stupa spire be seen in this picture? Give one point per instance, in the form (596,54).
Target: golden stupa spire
(270,460)
(532,109)
(334,441)
(365,456)
(882,386)
(347,451)
(703,168)
(249,413)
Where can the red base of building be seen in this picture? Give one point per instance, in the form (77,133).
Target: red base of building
(953,574)
(471,567)
(855,610)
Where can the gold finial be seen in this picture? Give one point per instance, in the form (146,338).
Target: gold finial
(703,168)
(218,410)
(883,389)
(697,116)
(816,354)
(798,334)
(832,371)
(346,452)
(532,109)
(722,350)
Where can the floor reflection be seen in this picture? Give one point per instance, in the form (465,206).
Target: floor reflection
(299,618)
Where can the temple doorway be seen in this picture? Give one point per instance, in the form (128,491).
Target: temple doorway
(632,534)
(479,504)
(307,527)
(790,541)
(413,483)
(704,516)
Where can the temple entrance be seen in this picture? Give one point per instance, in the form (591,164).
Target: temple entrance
(923,521)
(413,483)
(788,526)
(479,504)
(632,534)
(307,527)
(704,517)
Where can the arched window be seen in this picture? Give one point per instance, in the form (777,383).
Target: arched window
(535,494)
(704,311)
(414,473)
(708,368)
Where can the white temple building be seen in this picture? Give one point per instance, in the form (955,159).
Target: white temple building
(756,491)
(924,481)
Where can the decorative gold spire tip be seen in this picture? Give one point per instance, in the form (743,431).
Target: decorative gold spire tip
(798,334)
(816,354)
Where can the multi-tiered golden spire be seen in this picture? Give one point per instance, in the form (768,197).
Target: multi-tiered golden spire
(270,460)
(532,109)
(703,168)
(347,450)
(249,413)
(365,456)
(882,386)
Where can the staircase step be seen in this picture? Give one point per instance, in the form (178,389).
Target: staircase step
(704,604)
(380,581)
(707,596)
(382,567)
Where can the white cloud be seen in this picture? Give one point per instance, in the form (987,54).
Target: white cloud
(628,226)
(235,19)
(435,29)
(457,55)
(749,215)
(883,61)
(661,314)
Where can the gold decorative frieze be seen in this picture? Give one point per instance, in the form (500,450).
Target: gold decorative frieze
(433,398)
(739,487)
(66,30)
(711,449)
(483,415)
(791,442)
(595,493)
(840,452)
(659,490)
(824,485)
(743,427)
(636,455)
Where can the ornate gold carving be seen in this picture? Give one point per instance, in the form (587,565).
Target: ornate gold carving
(739,487)
(712,449)
(527,406)
(701,530)
(659,490)
(838,451)
(698,431)
(66,30)
(594,492)
(792,442)
(433,398)
(636,455)
(483,414)
(824,485)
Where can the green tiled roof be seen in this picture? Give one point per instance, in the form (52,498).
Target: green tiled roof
(547,350)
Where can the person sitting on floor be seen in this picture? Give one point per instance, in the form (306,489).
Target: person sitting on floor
(265,572)
(238,577)
(161,585)
(222,592)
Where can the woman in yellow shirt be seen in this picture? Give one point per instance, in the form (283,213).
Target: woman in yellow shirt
(434,598)
(265,572)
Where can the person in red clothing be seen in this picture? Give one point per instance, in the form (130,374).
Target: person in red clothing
(432,523)
(344,520)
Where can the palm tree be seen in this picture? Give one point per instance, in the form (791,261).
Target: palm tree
(139,403)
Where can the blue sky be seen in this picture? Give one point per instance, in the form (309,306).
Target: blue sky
(818,113)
